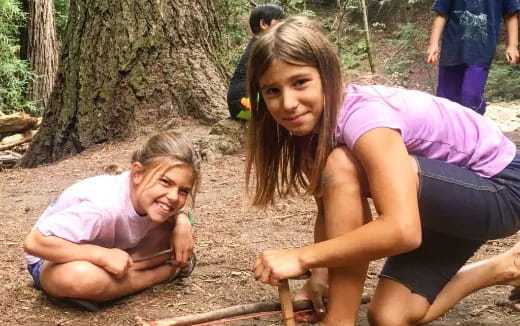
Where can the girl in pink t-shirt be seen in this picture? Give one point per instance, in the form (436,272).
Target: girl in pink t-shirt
(100,239)
(442,178)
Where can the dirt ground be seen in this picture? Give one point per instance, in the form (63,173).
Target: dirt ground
(229,236)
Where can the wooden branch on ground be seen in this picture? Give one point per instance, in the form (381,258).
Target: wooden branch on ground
(233,311)
(10,145)
(17,123)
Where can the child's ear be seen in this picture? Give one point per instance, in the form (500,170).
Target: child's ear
(264,25)
(137,173)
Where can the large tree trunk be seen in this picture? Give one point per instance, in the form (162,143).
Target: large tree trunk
(42,49)
(128,65)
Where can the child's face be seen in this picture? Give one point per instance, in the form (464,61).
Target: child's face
(161,199)
(293,96)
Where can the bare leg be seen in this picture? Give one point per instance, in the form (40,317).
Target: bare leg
(396,305)
(346,208)
(503,269)
(84,280)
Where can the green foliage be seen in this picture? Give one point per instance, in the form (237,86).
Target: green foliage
(353,51)
(503,83)
(409,43)
(233,20)
(61,15)
(14,73)
(10,17)
(298,7)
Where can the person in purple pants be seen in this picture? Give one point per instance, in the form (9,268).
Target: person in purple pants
(470,34)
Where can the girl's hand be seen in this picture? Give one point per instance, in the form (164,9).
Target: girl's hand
(315,289)
(433,54)
(512,54)
(272,266)
(182,241)
(116,262)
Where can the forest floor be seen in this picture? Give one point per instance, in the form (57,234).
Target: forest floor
(229,237)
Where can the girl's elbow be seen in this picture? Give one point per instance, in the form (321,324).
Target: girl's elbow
(28,245)
(411,238)
(31,245)
(414,241)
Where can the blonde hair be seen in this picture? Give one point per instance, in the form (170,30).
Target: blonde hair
(166,149)
(277,156)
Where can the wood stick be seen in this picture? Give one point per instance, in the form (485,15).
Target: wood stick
(285,301)
(233,311)
(157,254)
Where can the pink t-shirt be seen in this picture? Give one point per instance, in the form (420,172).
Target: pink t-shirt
(430,126)
(96,210)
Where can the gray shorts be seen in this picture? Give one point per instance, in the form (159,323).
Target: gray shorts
(459,211)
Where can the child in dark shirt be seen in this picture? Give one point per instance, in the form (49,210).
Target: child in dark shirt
(260,19)
(470,34)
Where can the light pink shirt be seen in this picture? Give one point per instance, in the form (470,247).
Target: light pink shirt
(96,210)
(430,126)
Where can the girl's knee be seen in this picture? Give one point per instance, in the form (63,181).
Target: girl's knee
(343,160)
(342,168)
(390,315)
(380,316)
(77,280)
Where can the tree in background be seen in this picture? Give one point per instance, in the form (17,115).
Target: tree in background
(42,49)
(14,73)
(130,66)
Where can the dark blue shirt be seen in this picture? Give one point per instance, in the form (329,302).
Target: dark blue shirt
(472,29)
(238,83)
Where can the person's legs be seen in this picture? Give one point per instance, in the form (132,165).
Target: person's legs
(459,210)
(345,192)
(503,269)
(84,280)
(449,82)
(472,90)
(410,282)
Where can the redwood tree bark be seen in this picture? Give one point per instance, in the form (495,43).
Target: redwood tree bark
(42,49)
(127,66)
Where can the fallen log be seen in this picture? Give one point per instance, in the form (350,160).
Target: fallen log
(10,145)
(18,122)
(233,311)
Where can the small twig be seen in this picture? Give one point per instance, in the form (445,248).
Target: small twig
(157,254)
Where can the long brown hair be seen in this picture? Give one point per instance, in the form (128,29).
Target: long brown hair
(276,155)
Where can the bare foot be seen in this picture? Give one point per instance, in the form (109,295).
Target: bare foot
(509,274)
(509,267)
(514,297)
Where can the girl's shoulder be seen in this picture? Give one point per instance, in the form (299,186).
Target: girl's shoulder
(100,189)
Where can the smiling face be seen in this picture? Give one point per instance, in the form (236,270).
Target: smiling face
(162,198)
(293,96)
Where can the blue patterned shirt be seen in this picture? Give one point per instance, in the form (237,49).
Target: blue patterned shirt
(472,29)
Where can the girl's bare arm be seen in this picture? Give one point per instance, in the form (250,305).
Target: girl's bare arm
(433,48)
(512,54)
(393,186)
(58,250)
